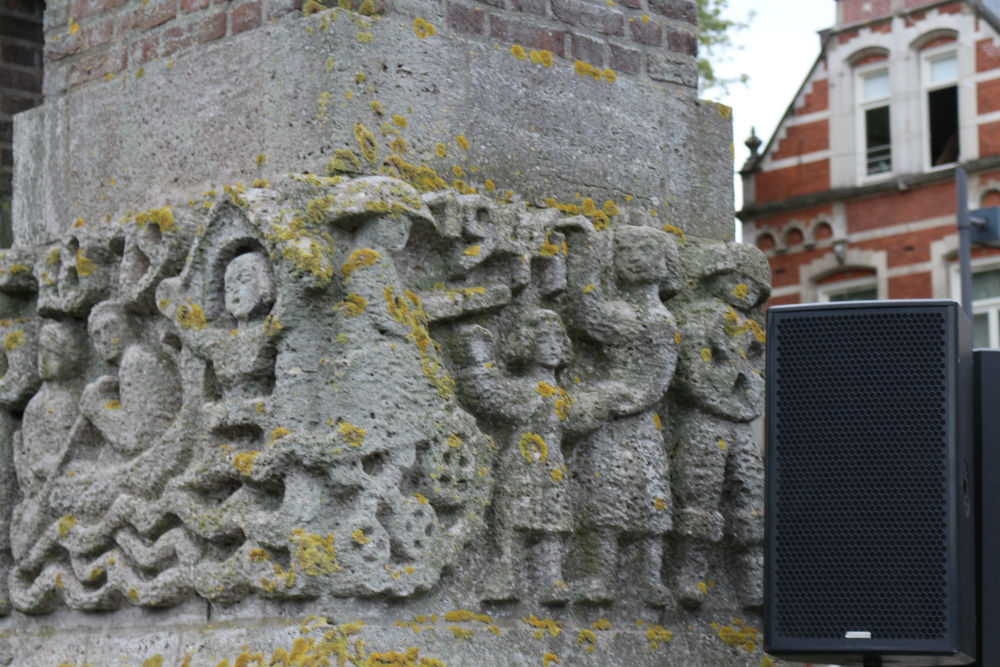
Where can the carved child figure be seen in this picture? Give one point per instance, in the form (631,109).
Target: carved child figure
(134,408)
(532,510)
(619,472)
(716,466)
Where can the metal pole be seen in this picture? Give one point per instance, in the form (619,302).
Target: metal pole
(964,244)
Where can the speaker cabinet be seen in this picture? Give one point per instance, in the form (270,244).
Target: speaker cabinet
(870,509)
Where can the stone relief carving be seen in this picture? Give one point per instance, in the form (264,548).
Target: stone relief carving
(333,388)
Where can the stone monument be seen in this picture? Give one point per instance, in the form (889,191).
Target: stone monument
(349,412)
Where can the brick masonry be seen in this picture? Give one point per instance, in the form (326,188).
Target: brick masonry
(20,86)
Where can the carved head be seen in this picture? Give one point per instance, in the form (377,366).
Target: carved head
(60,351)
(539,339)
(249,287)
(644,255)
(720,365)
(110,330)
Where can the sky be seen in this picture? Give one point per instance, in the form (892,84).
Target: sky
(777,51)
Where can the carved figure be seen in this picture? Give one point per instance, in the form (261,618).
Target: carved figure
(717,471)
(51,413)
(134,408)
(620,472)
(531,505)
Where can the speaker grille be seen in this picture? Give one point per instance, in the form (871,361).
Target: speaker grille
(860,475)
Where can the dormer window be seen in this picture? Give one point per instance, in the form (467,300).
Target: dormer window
(941,85)
(874,96)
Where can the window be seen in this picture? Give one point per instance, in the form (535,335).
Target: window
(986,308)
(863,289)
(941,86)
(877,145)
(985,301)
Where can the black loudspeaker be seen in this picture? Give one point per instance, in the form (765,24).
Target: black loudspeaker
(870,517)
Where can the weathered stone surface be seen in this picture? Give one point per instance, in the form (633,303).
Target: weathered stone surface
(343,398)
(199,120)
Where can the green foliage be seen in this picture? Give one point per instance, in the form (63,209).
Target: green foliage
(714,38)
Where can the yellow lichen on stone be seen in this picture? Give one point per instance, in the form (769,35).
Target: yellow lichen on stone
(277,434)
(518,52)
(420,499)
(243,462)
(260,159)
(422,28)
(353,435)
(359,536)
(190,316)
(657,422)
(602,624)
(343,160)
(548,249)
(352,305)
(310,7)
(113,405)
(722,444)
(586,637)
(532,445)
(660,504)
(706,354)
(462,142)
(357,259)
(472,251)
(12,340)
(464,615)
(549,658)
(440,150)
(656,634)
(366,140)
(153,661)
(557,474)
(84,267)
(454,441)
(676,231)
(740,290)
(258,556)
(65,524)
(544,625)
(314,554)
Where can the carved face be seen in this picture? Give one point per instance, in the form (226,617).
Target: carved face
(249,288)
(110,334)
(721,363)
(641,255)
(551,342)
(59,352)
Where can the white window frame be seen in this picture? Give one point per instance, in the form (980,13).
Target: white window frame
(927,57)
(989,307)
(826,291)
(862,106)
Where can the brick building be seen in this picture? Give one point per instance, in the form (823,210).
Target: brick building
(853,197)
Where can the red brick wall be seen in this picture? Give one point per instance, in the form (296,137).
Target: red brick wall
(989,139)
(792,181)
(987,55)
(988,96)
(95,39)
(803,139)
(817,99)
(20,85)
(913,286)
(896,208)
(908,248)
(913,4)
(859,11)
